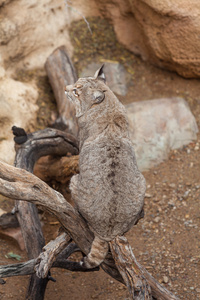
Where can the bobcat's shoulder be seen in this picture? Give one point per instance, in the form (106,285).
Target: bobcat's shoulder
(109,191)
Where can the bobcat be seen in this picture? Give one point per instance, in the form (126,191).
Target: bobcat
(109,191)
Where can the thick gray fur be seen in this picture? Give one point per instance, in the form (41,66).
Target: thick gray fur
(109,191)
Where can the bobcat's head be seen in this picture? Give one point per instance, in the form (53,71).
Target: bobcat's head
(87,92)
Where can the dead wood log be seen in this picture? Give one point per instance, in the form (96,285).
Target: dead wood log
(60,169)
(27,153)
(57,172)
(61,72)
(135,274)
(49,253)
(134,279)
(42,264)
(20,184)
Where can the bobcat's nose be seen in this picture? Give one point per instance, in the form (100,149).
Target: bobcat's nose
(68,88)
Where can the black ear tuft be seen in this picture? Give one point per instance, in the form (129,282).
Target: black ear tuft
(100,74)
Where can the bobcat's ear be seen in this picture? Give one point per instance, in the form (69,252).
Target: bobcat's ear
(100,74)
(98,96)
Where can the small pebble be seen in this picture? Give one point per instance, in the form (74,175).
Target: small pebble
(186,194)
(171,203)
(172,185)
(157,220)
(165,279)
(148,195)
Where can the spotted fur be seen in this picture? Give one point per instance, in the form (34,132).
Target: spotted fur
(109,191)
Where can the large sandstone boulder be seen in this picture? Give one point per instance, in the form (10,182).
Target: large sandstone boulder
(31,30)
(164,32)
(158,126)
(17,107)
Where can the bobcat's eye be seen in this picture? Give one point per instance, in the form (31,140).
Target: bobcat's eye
(74,91)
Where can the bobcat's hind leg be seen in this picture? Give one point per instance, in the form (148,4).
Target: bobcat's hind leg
(97,254)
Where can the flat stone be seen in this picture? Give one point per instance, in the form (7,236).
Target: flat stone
(165,279)
(158,126)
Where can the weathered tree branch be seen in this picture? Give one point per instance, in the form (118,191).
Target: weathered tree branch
(49,253)
(18,183)
(57,171)
(45,142)
(29,267)
(61,72)
(29,148)
(134,279)
(135,273)
(60,169)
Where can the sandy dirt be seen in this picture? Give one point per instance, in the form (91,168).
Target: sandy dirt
(167,240)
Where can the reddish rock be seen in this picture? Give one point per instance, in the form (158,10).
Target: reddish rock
(165,32)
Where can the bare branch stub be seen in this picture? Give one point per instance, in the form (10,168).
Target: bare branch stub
(135,281)
(61,72)
(49,253)
(30,267)
(136,275)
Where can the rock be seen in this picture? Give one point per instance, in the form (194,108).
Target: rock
(29,36)
(157,219)
(17,102)
(116,76)
(157,126)
(165,279)
(163,32)
(29,32)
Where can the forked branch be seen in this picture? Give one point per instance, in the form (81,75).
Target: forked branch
(20,184)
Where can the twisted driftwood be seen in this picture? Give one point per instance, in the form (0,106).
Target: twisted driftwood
(18,183)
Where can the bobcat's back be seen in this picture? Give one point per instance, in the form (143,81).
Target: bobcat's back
(109,191)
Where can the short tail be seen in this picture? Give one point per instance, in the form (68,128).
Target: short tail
(97,254)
